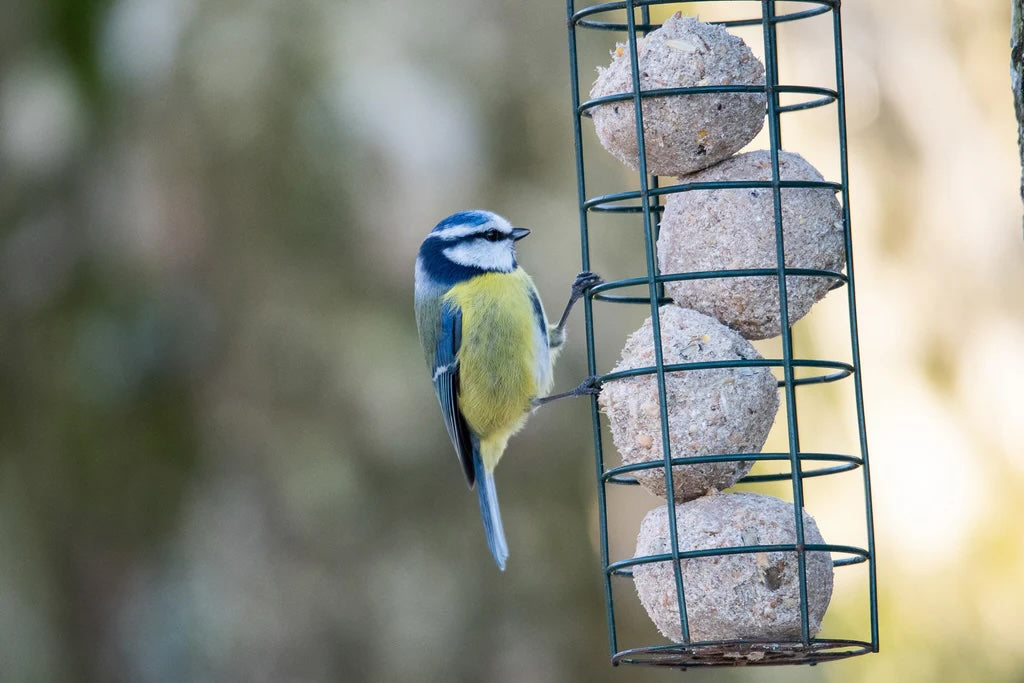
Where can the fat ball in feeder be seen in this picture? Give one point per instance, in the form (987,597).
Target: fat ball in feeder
(733,228)
(683,133)
(710,411)
(753,596)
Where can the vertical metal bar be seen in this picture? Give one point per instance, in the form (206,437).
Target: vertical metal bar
(588,315)
(645,15)
(652,286)
(837,31)
(775,135)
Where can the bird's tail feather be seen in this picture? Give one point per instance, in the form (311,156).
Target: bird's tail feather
(489,511)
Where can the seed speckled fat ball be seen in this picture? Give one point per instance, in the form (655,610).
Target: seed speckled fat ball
(710,411)
(749,595)
(682,133)
(735,228)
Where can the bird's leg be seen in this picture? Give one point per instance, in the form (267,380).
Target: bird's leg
(588,387)
(556,337)
(583,282)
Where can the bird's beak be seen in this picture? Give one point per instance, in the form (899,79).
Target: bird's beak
(519,233)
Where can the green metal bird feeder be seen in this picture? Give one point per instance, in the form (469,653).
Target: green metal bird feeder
(642,207)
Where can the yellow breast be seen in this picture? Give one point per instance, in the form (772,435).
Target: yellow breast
(499,355)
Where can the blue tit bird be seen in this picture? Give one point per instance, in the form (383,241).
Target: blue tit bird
(488,344)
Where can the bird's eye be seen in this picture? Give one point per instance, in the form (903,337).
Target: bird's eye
(493,235)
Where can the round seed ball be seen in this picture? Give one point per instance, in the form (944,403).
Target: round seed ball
(735,228)
(682,133)
(710,412)
(749,595)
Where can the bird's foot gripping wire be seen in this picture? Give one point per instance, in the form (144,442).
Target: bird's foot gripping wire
(585,281)
(580,285)
(591,386)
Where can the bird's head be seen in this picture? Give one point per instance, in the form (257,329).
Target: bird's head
(469,243)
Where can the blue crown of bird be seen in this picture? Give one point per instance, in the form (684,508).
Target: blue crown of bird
(488,345)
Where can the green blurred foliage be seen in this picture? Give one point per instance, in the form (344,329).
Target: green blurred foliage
(220,457)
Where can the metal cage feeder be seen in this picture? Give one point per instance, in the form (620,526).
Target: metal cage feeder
(633,18)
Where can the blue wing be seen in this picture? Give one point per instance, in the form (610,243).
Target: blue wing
(446,384)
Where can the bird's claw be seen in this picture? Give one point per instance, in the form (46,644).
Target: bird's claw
(585,281)
(591,386)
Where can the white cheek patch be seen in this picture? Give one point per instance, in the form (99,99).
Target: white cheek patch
(483,254)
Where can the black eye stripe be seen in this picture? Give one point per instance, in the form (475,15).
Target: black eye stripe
(493,235)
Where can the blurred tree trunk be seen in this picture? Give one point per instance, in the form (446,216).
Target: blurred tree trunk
(1017,77)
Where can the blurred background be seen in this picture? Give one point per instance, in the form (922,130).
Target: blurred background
(220,456)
